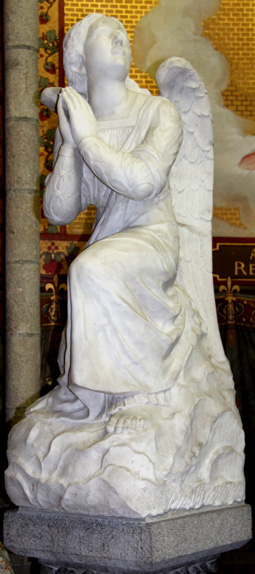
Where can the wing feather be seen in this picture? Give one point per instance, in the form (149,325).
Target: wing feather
(191,182)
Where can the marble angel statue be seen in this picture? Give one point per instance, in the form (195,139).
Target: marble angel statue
(143,419)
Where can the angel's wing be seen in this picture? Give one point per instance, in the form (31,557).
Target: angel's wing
(191,183)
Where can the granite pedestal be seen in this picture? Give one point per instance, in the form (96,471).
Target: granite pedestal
(183,542)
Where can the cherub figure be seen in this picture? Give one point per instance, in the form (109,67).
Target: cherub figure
(145,390)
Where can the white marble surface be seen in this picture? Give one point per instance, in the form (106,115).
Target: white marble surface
(144,417)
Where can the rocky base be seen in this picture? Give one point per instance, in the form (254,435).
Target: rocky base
(61,464)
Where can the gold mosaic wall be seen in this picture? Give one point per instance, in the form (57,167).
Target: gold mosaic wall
(232,32)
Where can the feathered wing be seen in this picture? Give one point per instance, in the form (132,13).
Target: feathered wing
(191,182)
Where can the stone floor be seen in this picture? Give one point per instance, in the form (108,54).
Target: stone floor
(236,562)
(240,561)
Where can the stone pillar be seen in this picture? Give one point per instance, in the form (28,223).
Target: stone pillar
(22,206)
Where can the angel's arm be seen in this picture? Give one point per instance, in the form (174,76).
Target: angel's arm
(62,197)
(138,174)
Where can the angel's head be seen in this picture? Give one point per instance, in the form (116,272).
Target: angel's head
(97,44)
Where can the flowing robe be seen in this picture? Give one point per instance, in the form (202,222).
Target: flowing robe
(135,338)
(127,329)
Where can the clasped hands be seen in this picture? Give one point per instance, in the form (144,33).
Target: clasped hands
(76,119)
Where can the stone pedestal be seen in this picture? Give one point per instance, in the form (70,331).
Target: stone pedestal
(183,542)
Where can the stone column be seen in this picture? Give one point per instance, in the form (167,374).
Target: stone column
(22,206)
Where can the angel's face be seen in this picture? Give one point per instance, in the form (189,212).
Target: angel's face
(107,49)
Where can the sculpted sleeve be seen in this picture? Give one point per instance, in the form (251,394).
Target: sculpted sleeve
(141,173)
(62,197)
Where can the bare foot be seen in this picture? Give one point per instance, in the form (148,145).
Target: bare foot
(136,418)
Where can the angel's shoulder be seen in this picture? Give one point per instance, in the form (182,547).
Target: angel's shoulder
(165,112)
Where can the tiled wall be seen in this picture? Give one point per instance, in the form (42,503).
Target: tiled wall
(232,32)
